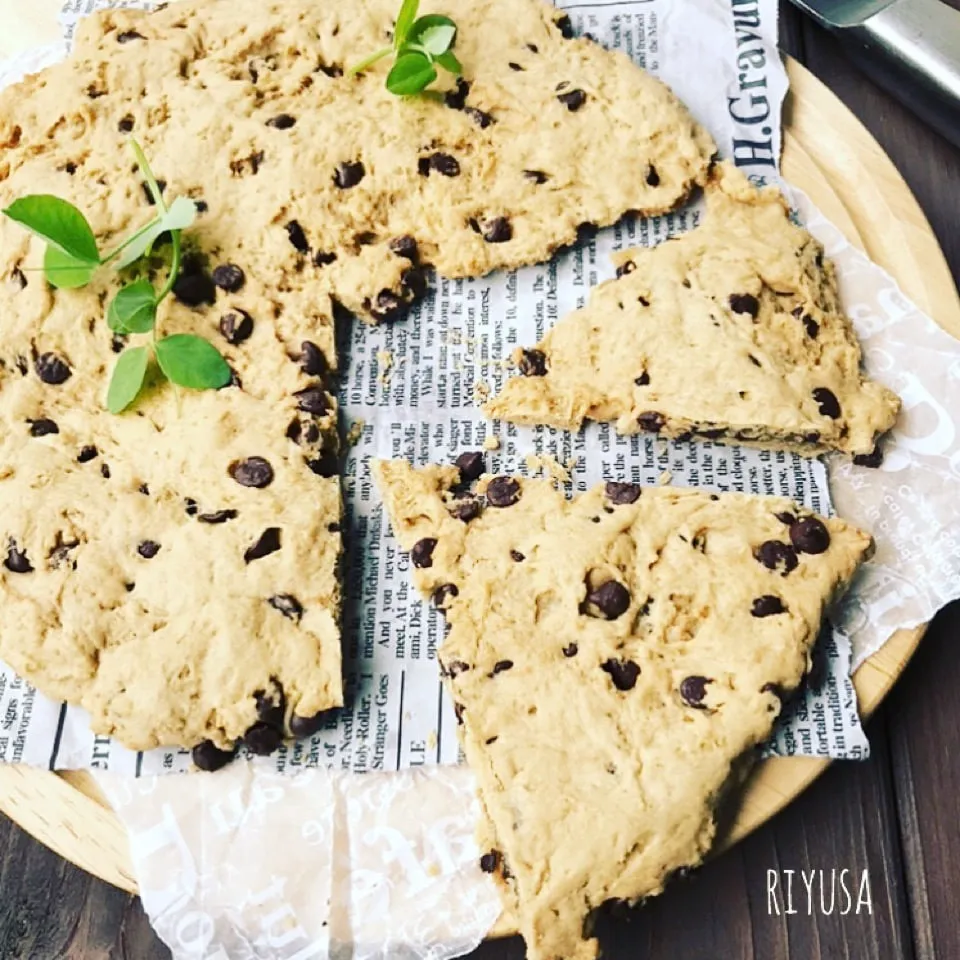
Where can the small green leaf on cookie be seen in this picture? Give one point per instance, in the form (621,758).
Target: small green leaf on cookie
(192,362)
(127,379)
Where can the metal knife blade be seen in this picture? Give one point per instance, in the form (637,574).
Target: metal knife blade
(842,13)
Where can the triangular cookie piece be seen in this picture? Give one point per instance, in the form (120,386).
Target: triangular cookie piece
(612,657)
(733,331)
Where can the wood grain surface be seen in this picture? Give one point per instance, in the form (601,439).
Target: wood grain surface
(895,815)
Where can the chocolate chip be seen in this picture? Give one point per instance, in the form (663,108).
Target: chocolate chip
(643,380)
(623,673)
(126,124)
(480,117)
(326,465)
(444,593)
(465,509)
(148,549)
(52,369)
(422,552)
(693,690)
(788,518)
(827,402)
(282,121)
(767,606)
(148,195)
(42,428)
(193,287)
(470,465)
(774,554)
(129,35)
(423,166)
(105,471)
(744,303)
(202,206)
(17,560)
(537,176)
(570,650)
(456,99)
(503,492)
(653,178)
(323,259)
(289,606)
(497,230)
(453,669)
(220,516)
(515,66)
(444,164)
(87,454)
(810,535)
(144,489)
(229,277)
(811,326)
(490,861)
(268,542)
(565,26)
(313,400)
(573,100)
(517,556)
(252,472)
(873,459)
(190,507)
(348,174)
(307,726)
(405,246)
(263,739)
(236,326)
(271,706)
(312,360)
(533,363)
(612,599)
(628,266)
(117,343)
(501,665)
(297,237)
(652,420)
(414,282)
(622,493)
(532,47)
(207,756)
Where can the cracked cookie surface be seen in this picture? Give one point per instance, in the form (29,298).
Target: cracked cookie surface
(733,331)
(613,658)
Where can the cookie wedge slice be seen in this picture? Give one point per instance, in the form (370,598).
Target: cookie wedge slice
(613,659)
(733,331)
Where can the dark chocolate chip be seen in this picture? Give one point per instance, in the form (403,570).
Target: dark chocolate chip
(465,509)
(87,454)
(307,726)
(873,459)
(348,174)
(52,369)
(497,230)
(480,117)
(502,665)
(297,237)
(405,246)
(202,206)
(190,507)
(313,400)
(652,420)
(445,164)
(326,465)
(364,238)
(268,542)
(503,492)
(612,599)
(565,25)
(194,287)
(623,673)
(423,166)
(144,489)
(282,121)
(263,739)
(312,360)
(470,465)
(628,266)
(517,556)
(127,35)
(229,277)
(236,326)
(126,124)
(653,178)
(533,48)
(827,402)
(744,303)
(414,282)
(456,99)
(208,757)
(810,535)
(490,861)
(105,471)
(570,650)
(117,343)
(515,66)
(220,516)
(42,428)
(693,690)
(573,100)
(811,326)
(622,493)
(148,549)
(289,606)
(422,552)
(271,707)
(537,176)
(323,259)
(533,363)
(454,669)
(252,472)
(643,380)
(788,518)
(774,555)
(444,593)
(767,606)
(17,560)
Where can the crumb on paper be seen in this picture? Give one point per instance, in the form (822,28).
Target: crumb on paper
(433,869)
(492,442)
(547,465)
(432,740)
(572,463)
(665,478)
(356,431)
(385,362)
(481,392)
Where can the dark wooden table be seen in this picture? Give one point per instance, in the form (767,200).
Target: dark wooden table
(897,815)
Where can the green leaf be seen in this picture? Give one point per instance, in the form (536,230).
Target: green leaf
(180,215)
(410,74)
(64,271)
(192,362)
(434,33)
(60,223)
(152,184)
(134,308)
(449,62)
(369,61)
(405,18)
(127,378)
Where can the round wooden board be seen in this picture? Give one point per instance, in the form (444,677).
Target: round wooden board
(829,154)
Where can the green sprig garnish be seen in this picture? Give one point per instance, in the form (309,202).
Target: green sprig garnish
(419,46)
(71,259)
